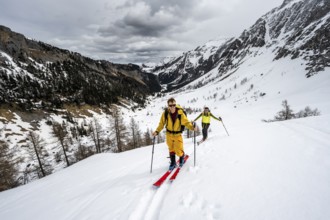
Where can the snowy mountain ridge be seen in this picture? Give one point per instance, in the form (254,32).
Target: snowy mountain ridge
(295,29)
(33,72)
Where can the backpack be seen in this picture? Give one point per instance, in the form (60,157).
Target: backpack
(179,116)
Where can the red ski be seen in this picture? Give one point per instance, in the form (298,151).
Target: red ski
(178,169)
(159,182)
(163,178)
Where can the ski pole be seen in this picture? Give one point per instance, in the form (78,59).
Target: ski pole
(194,144)
(152,155)
(224,127)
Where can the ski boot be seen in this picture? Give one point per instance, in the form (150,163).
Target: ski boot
(173,163)
(181,161)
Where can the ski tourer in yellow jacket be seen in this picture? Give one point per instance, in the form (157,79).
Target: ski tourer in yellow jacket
(172,119)
(206,119)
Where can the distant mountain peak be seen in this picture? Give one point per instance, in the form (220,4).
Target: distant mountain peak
(285,2)
(289,3)
(298,28)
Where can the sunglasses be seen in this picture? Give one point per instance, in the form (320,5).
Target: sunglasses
(206,108)
(172,105)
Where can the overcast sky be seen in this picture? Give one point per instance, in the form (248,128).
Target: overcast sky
(131,31)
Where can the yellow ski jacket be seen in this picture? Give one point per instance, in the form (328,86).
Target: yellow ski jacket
(206,117)
(174,128)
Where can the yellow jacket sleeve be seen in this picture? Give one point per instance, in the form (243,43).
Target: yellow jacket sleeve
(186,122)
(200,115)
(214,117)
(161,123)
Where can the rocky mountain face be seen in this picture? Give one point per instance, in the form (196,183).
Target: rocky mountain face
(181,70)
(304,28)
(35,74)
(296,29)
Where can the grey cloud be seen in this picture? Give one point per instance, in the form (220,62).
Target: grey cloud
(179,7)
(141,19)
(130,30)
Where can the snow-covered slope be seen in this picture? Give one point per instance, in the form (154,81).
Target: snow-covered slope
(261,171)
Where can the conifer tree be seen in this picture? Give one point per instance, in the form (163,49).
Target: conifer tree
(95,130)
(8,168)
(147,137)
(286,113)
(135,133)
(119,130)
(60,132)
(38,153)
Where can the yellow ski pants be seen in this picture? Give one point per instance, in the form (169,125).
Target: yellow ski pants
(175,144)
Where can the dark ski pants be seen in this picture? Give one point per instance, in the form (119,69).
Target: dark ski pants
(204,130)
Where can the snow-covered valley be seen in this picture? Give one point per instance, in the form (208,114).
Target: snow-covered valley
(276,170)
(261,171)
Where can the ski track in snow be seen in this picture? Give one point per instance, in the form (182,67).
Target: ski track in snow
(140,211)
(150,204)
(157,201)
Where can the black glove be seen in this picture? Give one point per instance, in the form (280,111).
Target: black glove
(220,118)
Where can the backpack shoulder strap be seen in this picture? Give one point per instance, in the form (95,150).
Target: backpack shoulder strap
(166,115)
(179,115)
